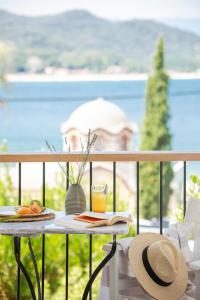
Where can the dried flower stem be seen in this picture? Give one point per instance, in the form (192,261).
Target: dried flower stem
(81,166)
(52,149)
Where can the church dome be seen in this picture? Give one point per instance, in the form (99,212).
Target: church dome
(97,114)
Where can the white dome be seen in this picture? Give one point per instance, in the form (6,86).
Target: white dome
(97,114)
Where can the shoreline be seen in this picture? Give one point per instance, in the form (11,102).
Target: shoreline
(81,77)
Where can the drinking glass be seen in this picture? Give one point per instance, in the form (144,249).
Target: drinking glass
(99,195)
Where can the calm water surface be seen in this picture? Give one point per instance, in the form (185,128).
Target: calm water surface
(35,111)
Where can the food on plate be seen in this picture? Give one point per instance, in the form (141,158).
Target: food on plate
(34,208)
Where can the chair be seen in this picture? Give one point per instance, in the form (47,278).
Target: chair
(118,281)
(179,234)
(194,265)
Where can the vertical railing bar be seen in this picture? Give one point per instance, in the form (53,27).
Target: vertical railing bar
(161,197)
(138,196)
(114,193)
(19,203)
(184,186)
(114,186)
(90,236)
(20,185)
(43,236)
(90,186)
(67,244)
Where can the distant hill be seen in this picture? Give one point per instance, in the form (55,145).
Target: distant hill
(77,39)
(192,25)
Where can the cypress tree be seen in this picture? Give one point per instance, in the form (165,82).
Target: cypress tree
(156,136)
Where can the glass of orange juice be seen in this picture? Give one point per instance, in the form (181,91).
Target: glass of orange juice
(99,195)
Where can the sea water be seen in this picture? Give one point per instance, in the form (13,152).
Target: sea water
(33,111)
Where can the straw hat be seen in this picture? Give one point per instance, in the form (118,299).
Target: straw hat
(158,266)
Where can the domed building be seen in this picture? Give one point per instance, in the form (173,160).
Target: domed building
(106,119)
(115,133)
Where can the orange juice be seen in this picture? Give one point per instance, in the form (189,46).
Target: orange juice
(98,202)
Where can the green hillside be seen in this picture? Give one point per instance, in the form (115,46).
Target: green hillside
(77,39)
(192,25)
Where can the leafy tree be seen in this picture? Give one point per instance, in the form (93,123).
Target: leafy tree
(156,136)
(6,58)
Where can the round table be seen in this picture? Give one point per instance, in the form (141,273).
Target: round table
(32,229)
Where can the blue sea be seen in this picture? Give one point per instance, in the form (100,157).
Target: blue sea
(34,111)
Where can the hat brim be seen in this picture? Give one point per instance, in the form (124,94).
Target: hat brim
(175,290)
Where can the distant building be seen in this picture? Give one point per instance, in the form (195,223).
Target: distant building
(115,133)
(106,119)
(35,64)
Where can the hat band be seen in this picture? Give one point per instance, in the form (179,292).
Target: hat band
(150,271)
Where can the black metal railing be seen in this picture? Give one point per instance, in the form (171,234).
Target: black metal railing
(43,236)
(113,157)
(19,203)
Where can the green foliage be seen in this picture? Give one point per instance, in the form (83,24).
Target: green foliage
(177,214)
(79,40)
(5,61)
(159,56)
(6,55)
(194,189)
(156,136)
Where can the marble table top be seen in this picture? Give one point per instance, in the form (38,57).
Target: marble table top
(49,227)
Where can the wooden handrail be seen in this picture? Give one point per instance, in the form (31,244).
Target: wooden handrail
(100,156)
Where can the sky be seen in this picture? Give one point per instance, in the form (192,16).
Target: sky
(110,9)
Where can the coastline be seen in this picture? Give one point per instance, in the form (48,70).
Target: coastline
(79,77)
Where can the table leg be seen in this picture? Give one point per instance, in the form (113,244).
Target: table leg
(23,269)
(98,269)
(35,268)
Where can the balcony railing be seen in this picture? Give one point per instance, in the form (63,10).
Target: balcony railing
(114,158)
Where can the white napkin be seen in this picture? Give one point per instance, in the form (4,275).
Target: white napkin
(69,222)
